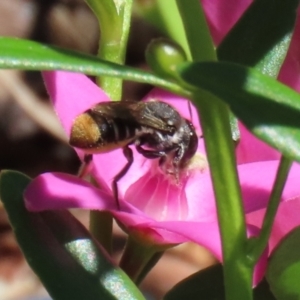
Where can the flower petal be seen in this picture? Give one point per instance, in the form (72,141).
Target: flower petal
(203,233)
(251,149)
(71,94)
(62,191)
(108,165)
(200,197)
(287,218)
(257,181)
(222,15)
(207,234)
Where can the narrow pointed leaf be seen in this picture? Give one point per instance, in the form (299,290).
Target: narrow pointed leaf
(283,271)
(208,284)
(268,108)
(60,250)
(29,55)
(262,36)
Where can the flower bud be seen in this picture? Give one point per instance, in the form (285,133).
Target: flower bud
(163,55)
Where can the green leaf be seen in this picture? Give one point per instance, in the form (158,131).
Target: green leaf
(268,108)
(208,284)
(262,36)
(29,55)
(283,271)
(60,250)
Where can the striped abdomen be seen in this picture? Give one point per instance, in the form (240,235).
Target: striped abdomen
(97,132)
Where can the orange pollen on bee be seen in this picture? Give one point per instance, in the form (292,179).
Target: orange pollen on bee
(85,132)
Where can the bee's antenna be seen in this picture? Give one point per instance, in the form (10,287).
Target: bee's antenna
(190,110)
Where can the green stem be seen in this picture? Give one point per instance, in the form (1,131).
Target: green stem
(101,228)
(215,123)
(114,21)
(220,153)
(148,267)
(136,258)
(258,245)
(172,23)
(196,30)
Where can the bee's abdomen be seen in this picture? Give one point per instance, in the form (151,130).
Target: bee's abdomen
(96,133)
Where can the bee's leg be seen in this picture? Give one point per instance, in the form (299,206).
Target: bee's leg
(85,166)
(150,153)
(129,156)
(176,162)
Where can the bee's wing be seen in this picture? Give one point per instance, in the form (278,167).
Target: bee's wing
(141,113)
(114,110)
(150,118)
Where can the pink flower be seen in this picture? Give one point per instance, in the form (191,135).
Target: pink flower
(148,198)
(151,204)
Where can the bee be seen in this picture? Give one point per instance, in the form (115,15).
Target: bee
(155,128)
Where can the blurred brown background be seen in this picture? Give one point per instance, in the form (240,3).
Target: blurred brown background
(33,143)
